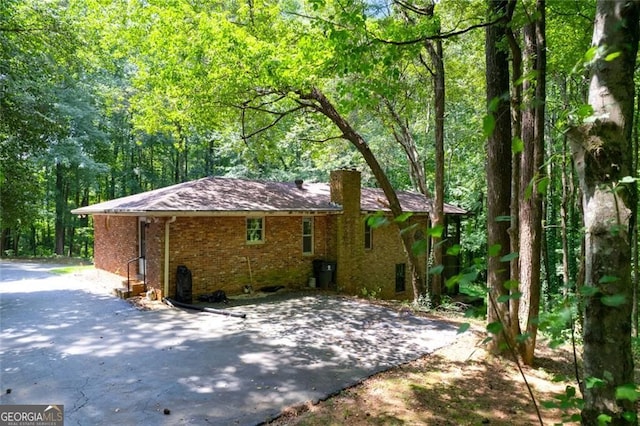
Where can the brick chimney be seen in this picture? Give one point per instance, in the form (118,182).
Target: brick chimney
(345,191)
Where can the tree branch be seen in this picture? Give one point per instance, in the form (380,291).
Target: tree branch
(279,116)
(441,36)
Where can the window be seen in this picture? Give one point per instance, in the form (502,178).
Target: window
(400,277)
(255,230)
(307,235)
(368,236)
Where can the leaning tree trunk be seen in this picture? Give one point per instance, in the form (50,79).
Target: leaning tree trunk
(325,107)
(602,157)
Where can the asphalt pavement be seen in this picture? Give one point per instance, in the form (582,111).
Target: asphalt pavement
(66,341)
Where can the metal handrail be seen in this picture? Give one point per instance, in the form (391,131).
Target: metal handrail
(129,262)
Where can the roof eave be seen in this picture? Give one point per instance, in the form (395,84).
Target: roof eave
(203,213)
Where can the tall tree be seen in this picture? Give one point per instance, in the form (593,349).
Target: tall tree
(531,185)
(498,128)
(602,156)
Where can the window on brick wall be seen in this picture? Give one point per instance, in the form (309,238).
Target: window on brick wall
(307,235)
(255,230)
(401,269)
(368,236)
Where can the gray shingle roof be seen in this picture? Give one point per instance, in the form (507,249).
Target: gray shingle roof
(218,195)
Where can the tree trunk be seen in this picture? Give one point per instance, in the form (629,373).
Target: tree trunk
(530,211)
(61,204)
(634,228)
(514,233)
(435,52)
(498,171)
(402,135)
(602,157)
(324,106)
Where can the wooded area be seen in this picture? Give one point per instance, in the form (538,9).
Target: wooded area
(523,112)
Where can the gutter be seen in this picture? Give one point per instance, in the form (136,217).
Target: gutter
(165,291)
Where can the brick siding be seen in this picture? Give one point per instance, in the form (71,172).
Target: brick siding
(116,242)
(214,248)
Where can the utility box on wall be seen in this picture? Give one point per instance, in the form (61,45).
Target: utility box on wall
(183,285)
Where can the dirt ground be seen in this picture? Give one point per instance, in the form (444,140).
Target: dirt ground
(460,384)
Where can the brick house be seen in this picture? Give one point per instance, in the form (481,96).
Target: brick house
(233,232)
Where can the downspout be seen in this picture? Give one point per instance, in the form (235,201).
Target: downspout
(165,292)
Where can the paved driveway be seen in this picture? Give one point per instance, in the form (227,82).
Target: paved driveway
(65,341)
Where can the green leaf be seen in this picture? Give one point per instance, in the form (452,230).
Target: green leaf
(521,338)
(376,221)
(403,217)
(436,270)
(494,250)
(584,111)
(543,185)
(420,247)
(614,300)
(493,104)
(435,231)
(517,145)
(590,54)
(463,327)
(503,219)
(611,56)
(528,191)
(488,125)
(506,297)
(511,284)
(454,250)
(627,392)
(509,257)
(594,382)
(628,179)
(608,279)
(588,291)
(494,327)
(604,419)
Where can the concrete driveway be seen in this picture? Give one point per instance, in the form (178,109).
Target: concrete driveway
(66,341)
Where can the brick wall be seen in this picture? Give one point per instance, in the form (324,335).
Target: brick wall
(116,242)
(155,253)
(375,269)
(216,252)
(379,263)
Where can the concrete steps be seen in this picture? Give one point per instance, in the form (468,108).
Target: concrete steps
(136,288)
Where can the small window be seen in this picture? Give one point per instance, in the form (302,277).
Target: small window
(368,236)
(400,277)
(307,235)
(255,230)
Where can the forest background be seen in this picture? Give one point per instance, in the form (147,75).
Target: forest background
(102,99)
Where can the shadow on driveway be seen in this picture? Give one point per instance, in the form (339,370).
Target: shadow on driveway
(110,363)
